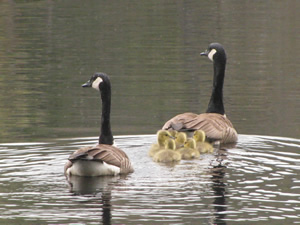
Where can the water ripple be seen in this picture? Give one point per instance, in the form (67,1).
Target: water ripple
(256,180)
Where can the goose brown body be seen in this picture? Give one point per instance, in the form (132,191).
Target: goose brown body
(84,158)
(216,126)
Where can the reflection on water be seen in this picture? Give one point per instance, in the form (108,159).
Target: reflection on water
(219,188)
(100,187)
(255,181)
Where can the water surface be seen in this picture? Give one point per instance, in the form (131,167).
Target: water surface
(255,181)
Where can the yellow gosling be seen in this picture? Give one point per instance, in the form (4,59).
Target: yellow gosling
(202,146)
(189,150)
(162,136)
(173,132)
(180,139)
(169,154)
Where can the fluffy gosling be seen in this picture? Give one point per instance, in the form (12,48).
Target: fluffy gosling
(189,150)
(162,136)
(202,145)
(169,154)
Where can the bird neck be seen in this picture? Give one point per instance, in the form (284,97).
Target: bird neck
(161,141)
(216,100)
(106,136)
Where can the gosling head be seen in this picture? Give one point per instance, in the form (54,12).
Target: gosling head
(215,52)
(162,136)
(199,135)
(173,132)
(180,138)
(170,144)
(98,81)
(190,143)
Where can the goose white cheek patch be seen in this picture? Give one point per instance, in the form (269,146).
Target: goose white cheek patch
(96,83)
(211,54)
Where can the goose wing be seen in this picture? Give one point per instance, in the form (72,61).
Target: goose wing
(179,122)
(216,127)
(103,153)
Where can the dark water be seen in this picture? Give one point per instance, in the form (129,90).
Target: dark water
(151,52)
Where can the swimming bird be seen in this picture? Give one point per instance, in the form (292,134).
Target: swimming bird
(201,145)
(214,122)
(104,158)
(189,150)
(173,132)
(180,139)
(162,136)
(169,154)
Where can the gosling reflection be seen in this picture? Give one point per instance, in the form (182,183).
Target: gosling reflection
(96,186)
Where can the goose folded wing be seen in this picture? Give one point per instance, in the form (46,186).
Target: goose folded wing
(103,153)
(216,126)
(108,154)
(179,122)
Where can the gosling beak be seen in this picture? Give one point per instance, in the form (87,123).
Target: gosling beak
(87,84)
(172,137)
(204,53)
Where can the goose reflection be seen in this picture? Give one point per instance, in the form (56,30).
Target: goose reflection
(96,186)
(91,185)
(219,187)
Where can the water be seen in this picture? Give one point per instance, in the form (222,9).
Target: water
(151,52)
(255,181)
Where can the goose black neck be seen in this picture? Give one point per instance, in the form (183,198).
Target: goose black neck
(216,100)
(106,136)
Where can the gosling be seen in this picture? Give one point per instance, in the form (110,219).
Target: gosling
(162,136)
(202,146)
(189,150)
(169,154)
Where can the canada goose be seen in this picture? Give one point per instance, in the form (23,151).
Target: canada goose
(214,122)
(180,139)
(189,150)
(104,158)
(169,154)
(162,136)
(202,146)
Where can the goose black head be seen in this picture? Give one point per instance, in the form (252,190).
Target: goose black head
(215,52)
(97,81)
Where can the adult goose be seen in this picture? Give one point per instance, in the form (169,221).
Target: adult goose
(104,158)
(214,122)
